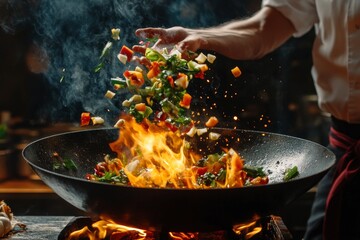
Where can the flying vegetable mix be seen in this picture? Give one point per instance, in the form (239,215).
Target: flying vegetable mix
(158,87)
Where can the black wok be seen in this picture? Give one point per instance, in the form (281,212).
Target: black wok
(181,209)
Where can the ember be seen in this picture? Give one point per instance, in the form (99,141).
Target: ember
(268,228)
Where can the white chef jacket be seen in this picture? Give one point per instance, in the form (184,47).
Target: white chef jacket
(336,50)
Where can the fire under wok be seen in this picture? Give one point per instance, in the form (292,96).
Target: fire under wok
(181,209)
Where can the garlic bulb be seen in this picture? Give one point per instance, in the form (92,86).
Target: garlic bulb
(5,219)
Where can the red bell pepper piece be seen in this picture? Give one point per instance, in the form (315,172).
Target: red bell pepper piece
(160,116)
(171,127)
(199,170)
(136,78)
(127,52)
(85,119)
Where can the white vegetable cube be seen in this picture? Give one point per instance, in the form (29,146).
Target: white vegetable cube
(97,120)
(201,131)
(211,58)
(119,123)
(126,103)
(201,58)
(115,33)
(109,94)
(191,132)
(182,81)
(192,65)
(138,69)
(136,98)
(175,52)
(122,58)
(214,136)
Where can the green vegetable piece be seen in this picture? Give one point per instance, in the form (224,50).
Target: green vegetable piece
(290,173)
(69,164)
(254,171)
(148,112)
(169,108)
(154,55)
(99,67)
(182,120)
(56,166)
(110,177)
(118,81)
(221,175)
(106,49)
(207,179)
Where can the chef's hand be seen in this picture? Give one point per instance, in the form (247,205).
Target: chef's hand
(185,40)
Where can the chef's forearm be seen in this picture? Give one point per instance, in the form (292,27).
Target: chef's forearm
(249,38)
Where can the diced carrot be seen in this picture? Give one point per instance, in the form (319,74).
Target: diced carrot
(117,86)
(154,70)
(171,81)
(236,71)
(211,122)
(203,67)
(141,107)
(186,100)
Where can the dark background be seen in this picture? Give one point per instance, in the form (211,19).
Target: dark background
(44,41)
(49,48)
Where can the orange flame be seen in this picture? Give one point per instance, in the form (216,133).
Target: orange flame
(103,229)
(106,229)
(155,157)
(248,230)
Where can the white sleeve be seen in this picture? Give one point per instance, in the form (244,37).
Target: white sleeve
(302,13)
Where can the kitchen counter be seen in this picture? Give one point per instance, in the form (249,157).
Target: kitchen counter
(40,227)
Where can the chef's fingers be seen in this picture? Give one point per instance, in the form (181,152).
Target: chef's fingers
(171,35)
(149,32)
(139,48)
(143,61)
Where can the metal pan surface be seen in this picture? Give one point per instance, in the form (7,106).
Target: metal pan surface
(181,209)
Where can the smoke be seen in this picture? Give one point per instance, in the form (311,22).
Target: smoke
(72,34)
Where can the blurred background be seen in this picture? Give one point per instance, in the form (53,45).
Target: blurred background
(48,52)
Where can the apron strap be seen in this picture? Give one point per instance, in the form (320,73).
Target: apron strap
(347,168)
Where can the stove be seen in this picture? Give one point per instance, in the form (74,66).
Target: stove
(60,227)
